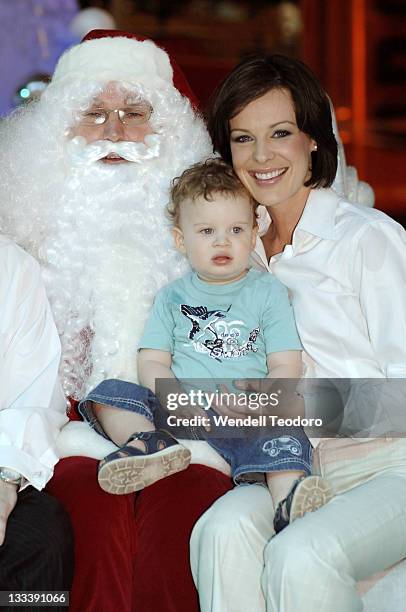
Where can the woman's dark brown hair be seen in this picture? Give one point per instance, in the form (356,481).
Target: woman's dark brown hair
(253,78)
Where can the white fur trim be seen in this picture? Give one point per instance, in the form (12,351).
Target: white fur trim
(115,59)
(78,439)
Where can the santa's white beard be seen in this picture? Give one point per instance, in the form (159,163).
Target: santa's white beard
(99,230)
(111,251)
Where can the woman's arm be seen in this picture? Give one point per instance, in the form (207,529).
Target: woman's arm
(380,279)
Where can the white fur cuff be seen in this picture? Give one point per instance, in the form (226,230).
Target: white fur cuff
(79,439)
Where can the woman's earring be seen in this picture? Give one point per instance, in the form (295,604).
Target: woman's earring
(315,147)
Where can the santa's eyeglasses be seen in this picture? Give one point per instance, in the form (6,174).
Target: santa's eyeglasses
(131,115)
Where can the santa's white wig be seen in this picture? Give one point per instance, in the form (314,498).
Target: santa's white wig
(99,231)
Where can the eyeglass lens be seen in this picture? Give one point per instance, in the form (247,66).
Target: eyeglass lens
(131,115)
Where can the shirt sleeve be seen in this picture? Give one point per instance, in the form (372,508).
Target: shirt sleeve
(158,331)
(278,321)
(380,278)
(32,404)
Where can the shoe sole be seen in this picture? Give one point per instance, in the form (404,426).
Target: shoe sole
(311,494)
(129,474)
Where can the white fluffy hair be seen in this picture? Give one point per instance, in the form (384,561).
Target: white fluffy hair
(99,231)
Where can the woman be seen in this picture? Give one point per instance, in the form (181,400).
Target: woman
(345,268)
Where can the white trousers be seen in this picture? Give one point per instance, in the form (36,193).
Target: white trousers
(313,565)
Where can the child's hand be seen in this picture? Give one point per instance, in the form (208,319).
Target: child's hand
(275,396)
(230,406)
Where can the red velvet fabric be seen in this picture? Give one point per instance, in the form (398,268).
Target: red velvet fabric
(132,551)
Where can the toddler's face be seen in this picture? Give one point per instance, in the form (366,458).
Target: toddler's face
(217,236)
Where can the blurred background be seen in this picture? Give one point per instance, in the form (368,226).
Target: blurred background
(356,47)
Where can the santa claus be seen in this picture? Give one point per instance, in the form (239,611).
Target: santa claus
(86,173)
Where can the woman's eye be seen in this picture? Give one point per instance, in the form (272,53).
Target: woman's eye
(206,231)
(280,134)
(237,230)
(241,139)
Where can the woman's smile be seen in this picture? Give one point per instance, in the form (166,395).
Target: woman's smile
(267,176)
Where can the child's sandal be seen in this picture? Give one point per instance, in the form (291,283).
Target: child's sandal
(306,495)
(131,469)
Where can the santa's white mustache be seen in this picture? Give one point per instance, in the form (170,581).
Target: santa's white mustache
(79,152)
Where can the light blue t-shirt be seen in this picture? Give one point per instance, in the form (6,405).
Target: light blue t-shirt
(221,331)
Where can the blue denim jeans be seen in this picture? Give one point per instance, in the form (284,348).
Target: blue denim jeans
(274,449)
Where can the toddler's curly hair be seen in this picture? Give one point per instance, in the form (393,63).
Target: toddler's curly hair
(205,179)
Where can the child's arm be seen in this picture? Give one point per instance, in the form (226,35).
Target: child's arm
(153,364)
(285,364)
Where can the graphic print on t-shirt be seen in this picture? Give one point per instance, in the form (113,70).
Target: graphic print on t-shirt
(211,333)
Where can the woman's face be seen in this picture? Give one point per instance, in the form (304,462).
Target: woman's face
(271,156)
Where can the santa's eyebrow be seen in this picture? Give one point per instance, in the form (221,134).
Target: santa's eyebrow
(96,103)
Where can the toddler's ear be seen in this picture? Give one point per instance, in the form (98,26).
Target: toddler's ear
(179,240)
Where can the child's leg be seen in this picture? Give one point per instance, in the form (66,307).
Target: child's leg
(280,483)
(294,492)
(284,457)
(117,408)
(125,412)
(119,423)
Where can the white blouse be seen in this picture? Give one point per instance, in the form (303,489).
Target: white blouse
(32,404)
(346,274)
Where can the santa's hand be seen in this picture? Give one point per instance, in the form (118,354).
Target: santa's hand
(8,499)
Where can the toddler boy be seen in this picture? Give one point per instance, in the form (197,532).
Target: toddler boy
(222,320)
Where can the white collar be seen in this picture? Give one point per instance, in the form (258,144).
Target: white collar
(318,217)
